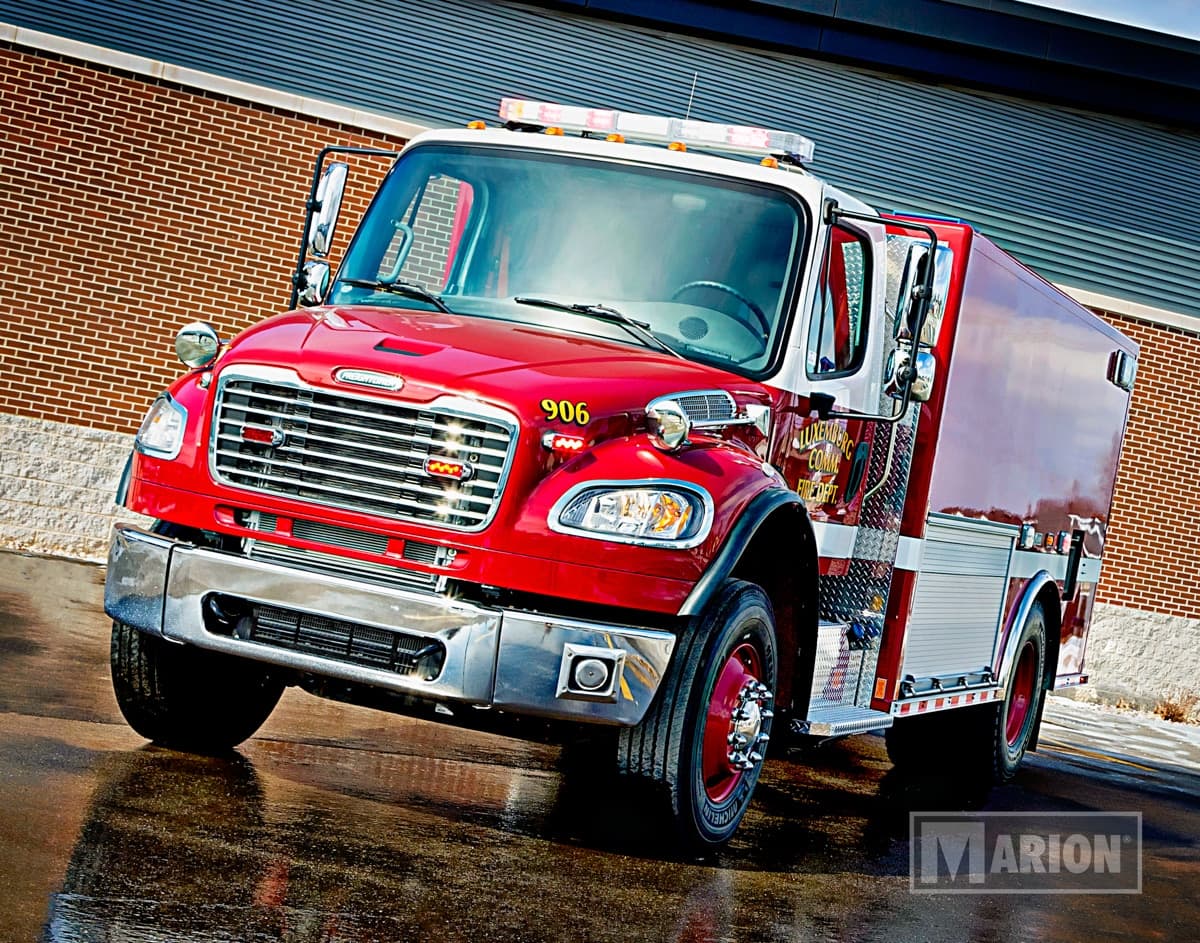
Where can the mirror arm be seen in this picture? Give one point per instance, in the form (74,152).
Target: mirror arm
(823,402)
(833,213)
(896,415)
(312,205)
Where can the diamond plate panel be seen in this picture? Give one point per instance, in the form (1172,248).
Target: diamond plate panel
(848,599)
(838,670)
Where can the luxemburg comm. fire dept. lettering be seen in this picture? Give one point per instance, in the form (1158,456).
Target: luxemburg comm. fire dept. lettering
(821,492)
(826,443)
(827,430)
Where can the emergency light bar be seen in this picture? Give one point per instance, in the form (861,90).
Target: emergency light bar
(722,137)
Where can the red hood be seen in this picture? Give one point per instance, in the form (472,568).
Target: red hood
(513,365)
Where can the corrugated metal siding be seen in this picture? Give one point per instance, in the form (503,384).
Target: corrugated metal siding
(1089,200)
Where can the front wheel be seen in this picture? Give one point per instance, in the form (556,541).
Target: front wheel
(187,698)
(704,738)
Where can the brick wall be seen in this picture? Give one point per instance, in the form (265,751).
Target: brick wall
(130,207)
(1152,560)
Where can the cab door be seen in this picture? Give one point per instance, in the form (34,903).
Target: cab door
(851,472)
(825,457)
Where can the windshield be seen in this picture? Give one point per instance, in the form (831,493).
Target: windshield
(704,262)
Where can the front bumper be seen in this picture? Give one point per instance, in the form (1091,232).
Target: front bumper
(494,657)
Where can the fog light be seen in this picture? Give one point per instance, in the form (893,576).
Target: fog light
(590,672)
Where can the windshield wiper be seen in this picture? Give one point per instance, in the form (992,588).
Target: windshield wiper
(407,289)
(639,329)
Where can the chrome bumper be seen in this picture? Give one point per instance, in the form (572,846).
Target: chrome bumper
(494,657)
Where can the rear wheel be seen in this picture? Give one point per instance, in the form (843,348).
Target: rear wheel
(1018,716)
(987,743)
(185,697)
(704,738)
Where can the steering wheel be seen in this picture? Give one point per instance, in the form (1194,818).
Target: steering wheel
(763,325)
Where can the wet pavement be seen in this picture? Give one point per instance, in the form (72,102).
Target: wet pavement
(337,824)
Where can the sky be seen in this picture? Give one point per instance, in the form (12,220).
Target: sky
(1177,17)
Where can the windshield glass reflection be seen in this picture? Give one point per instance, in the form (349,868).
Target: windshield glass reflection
(705,262)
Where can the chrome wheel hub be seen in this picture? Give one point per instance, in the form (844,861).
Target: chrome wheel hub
(747,741)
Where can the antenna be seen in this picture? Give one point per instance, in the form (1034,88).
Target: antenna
(691,95)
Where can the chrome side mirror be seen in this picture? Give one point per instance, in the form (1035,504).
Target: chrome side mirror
(197,344)
(314,280)
(328,206)
(922,383)
(911,284)
(667,424)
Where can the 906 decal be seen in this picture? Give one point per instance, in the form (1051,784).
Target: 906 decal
(563,410)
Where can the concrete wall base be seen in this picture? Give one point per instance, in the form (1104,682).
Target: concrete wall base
(57,483)
(1140,658)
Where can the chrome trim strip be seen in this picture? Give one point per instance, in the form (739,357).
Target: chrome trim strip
(1020,614)
(932,703)
(1027,563)
(909,553)
(360,414)
(834,541)
(658,484)
(347,476)
(1089,570)
(383,450)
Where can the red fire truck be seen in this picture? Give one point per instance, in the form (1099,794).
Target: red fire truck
(600,423)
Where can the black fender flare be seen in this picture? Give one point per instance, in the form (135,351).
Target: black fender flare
(792,583)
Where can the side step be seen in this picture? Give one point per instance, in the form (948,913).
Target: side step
(840,720)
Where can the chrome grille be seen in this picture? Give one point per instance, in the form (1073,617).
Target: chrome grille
(709,406)
(331,564)
(356,452)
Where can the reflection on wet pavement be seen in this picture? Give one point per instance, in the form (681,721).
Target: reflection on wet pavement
(340,824)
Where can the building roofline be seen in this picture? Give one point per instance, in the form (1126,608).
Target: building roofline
(207,82)
(999,45)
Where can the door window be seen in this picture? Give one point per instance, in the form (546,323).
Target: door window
(837,336)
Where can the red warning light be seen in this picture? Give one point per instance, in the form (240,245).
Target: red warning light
(459,471)
(270,436)
(560,442)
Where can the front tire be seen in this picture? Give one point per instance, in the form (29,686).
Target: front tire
(703,740)
(187,698)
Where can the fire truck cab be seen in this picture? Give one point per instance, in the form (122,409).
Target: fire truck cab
(601,424)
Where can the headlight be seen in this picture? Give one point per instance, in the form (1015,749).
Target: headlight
(161,434)
(668,514)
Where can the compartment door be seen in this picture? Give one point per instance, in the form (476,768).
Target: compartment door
(959,598)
